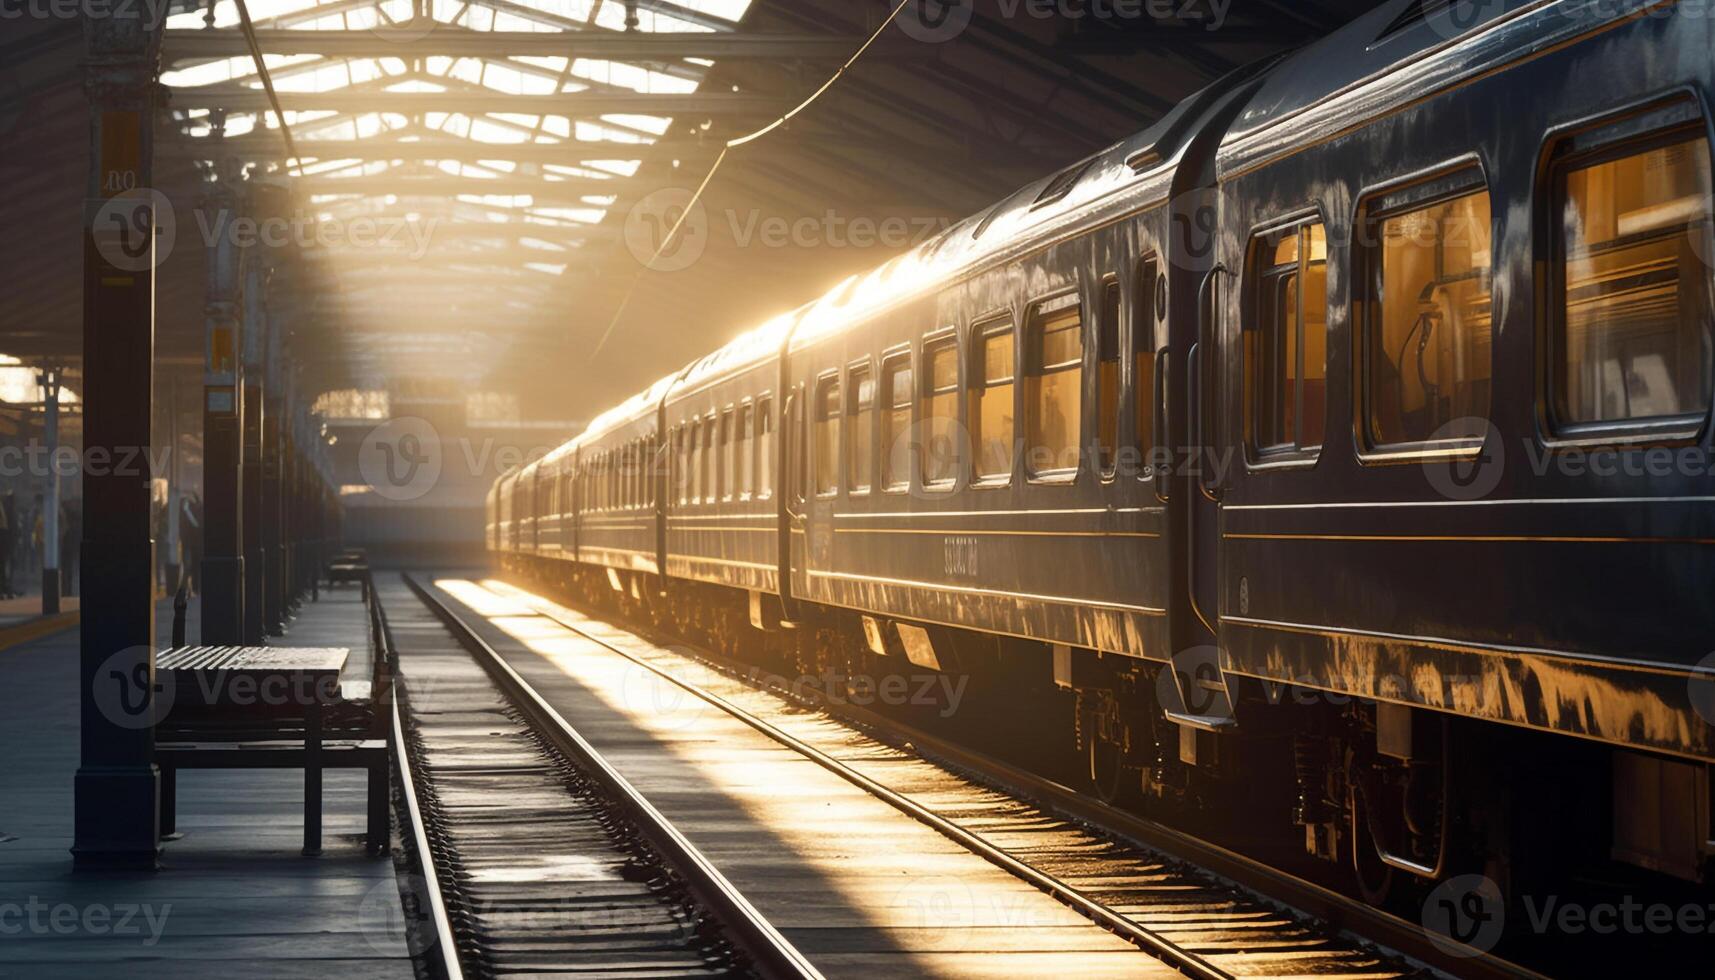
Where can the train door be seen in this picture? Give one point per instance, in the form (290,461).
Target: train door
(574,468)
(788,484)
(1199,457)
(660,466)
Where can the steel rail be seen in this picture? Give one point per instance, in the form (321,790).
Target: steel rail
(1360,920)
(446,944)
(770,951)
(1144,938)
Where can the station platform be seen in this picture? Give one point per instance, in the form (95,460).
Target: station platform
(233,897)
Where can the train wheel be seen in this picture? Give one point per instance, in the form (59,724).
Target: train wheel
(1110,777)
(1373,877)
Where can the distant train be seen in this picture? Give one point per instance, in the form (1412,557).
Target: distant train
(1342,439)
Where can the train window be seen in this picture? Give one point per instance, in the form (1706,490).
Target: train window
(764,448)
(708,475)
(860,428)
(693,461)
(896,423)
(1634,336)
(827,435)
(725,461)
(741,454)
(682,461)
(1108,378)
(700,460)
(1428,329)
(991,402)
(1054,359)
(1147,310)
(1286,340)
(940,442)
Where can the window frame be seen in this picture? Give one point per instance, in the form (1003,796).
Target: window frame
(1144,442)
(944,338)
(724,468)
(1291,456)
(744,449)
(825,379)
(890,360)
(762,418)
(1416,191)
(983,328)
(1070,296)
(1107,472)
(1675,119)
(857,417)
(711,450)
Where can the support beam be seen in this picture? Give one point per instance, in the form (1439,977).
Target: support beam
(568,153)
(49,379)
(117,787)
(255,514)
(460,42)
(580,105)
(222,584)
(567,190)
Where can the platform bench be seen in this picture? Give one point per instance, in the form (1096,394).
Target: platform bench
(269,708)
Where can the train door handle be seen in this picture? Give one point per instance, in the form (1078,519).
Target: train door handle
(1157,438)
(1207,481)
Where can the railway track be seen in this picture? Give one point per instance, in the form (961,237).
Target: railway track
(537,857)
(1175,898)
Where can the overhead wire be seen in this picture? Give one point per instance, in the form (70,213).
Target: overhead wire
(726,148)
(249,29)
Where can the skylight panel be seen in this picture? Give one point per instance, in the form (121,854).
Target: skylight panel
(554,63)
(487,131)
(620,168)
(649,124)
(633,77)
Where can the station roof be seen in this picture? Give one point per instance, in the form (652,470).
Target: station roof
(472,176)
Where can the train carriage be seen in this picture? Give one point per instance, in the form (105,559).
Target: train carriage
(1384,378)
(616,493)
(721,519)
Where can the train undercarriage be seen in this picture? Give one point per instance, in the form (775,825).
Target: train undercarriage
(1378,800)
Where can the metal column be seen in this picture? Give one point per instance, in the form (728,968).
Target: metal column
(255,516)
(117,783)
(49,379)
(222,568)
(169,545)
